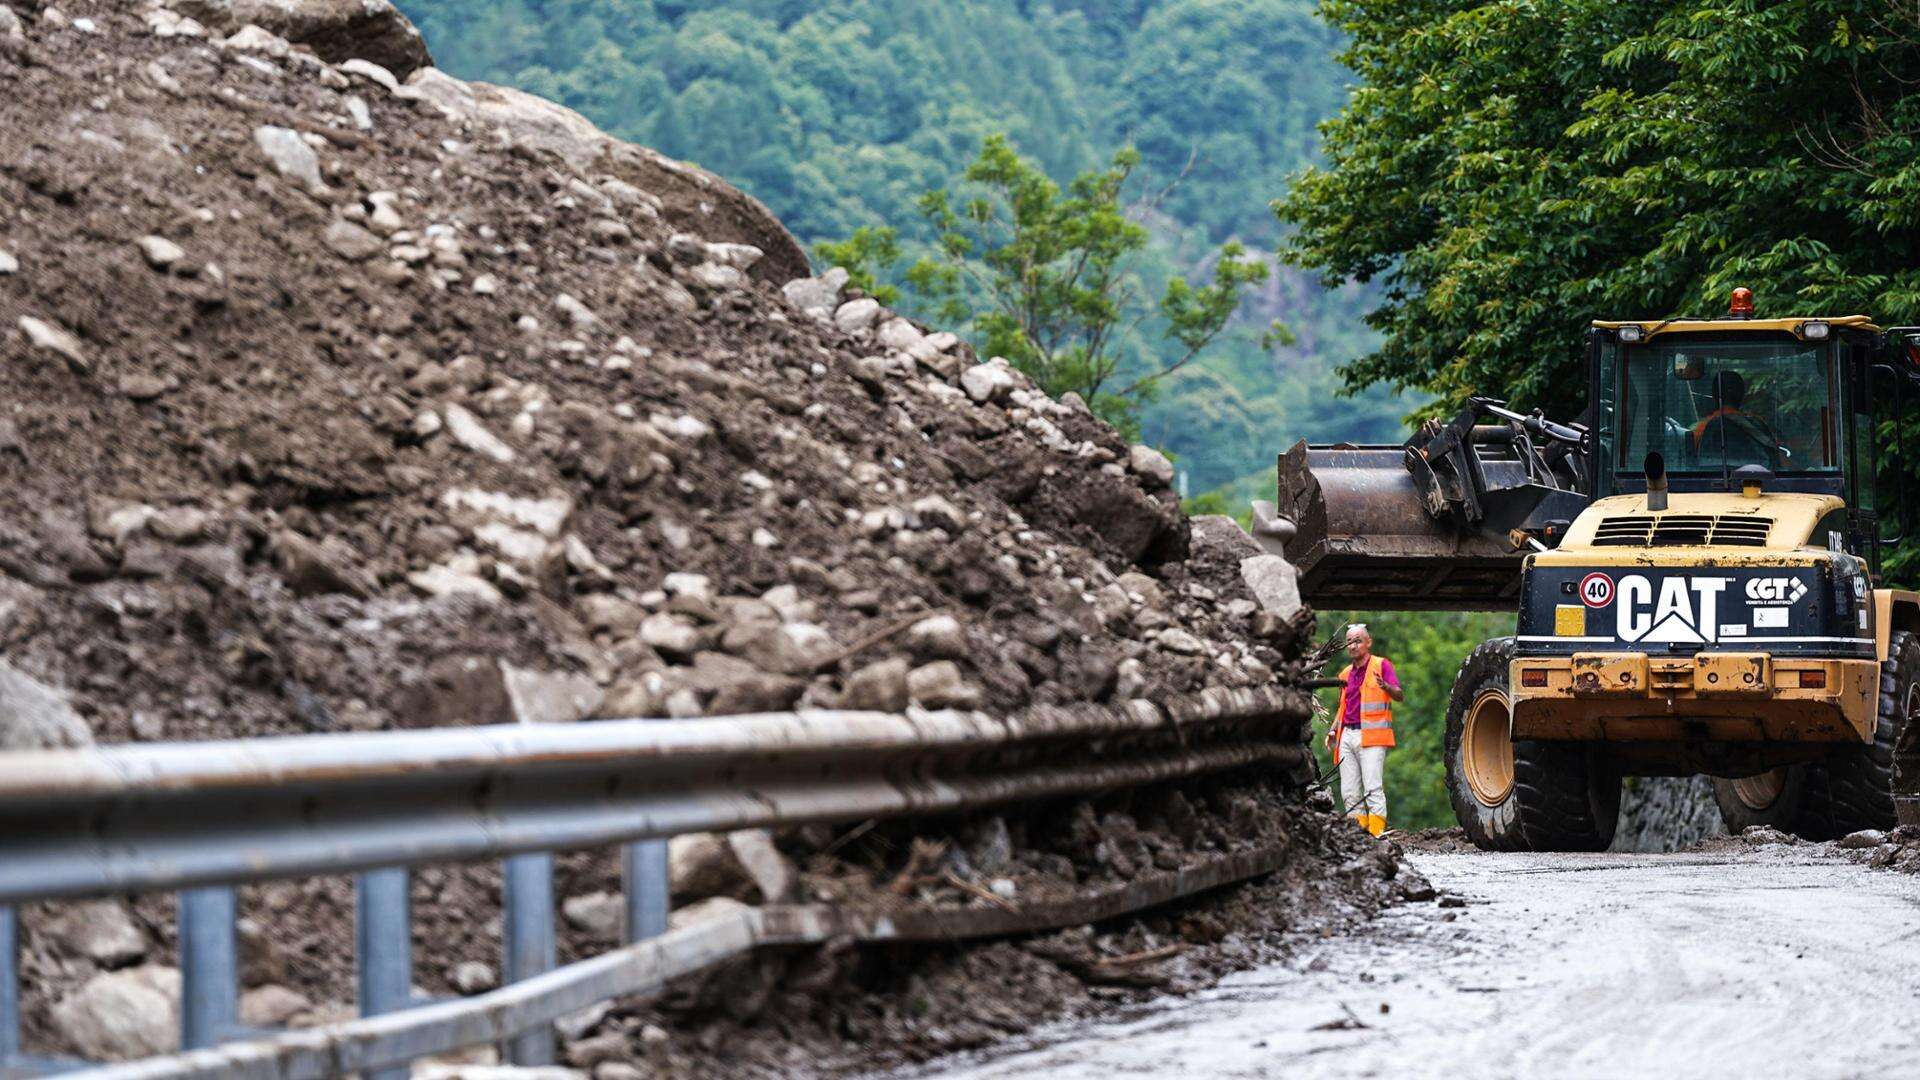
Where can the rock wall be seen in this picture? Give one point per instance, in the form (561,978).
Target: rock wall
(1666,813)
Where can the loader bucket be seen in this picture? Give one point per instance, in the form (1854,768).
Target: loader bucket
(1362,540)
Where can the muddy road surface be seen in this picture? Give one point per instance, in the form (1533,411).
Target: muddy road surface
(1728,961)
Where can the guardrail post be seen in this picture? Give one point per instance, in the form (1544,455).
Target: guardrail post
(9,986)
(530,947)
(643,869)
(209,967)
(383,948)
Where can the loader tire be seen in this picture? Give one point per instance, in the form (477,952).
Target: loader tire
(1776,799)
(1526,795)
(1854,788)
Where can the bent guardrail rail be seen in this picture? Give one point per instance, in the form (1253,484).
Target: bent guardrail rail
(201,818)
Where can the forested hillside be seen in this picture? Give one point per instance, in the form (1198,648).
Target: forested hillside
(840,116)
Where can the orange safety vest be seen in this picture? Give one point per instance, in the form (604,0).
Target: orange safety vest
(1376,708)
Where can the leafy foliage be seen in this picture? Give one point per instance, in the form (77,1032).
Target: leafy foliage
(1508,171)
(1045,277)
(840,117)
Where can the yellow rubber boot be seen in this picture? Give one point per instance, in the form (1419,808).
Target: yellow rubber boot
(1376,824)
(1365,821)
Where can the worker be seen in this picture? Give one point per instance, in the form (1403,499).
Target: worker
(1746,438)
(1363,730)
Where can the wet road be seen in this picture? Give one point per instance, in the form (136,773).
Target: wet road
(1741,962)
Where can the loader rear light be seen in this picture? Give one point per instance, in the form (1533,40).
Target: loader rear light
(1533,676)
(1632,334)
(1813,680)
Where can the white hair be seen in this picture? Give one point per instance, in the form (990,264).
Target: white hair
(1359,629)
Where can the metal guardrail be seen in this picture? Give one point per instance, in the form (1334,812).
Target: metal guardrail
(203,818)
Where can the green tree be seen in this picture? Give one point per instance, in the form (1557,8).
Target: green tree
(1508,171)
(1045,277)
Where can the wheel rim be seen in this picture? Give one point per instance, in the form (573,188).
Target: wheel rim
(1759,792)
(1913,705)
(1487,748)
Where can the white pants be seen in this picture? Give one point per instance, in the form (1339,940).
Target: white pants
(1363,775)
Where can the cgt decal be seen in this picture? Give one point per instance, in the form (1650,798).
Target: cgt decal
(1775,590)
(1684,610)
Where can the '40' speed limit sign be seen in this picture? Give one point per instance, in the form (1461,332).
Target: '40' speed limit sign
(1596,590)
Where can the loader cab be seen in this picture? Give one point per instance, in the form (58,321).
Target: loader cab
(1795,402)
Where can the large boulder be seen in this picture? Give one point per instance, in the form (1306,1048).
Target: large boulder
(35,716)
(122,1015)
(98,930)
(336,30)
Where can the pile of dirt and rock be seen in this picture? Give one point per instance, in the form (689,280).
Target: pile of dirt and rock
(343,395)
(1897,850)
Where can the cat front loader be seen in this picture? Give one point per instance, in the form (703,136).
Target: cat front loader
(1696,572)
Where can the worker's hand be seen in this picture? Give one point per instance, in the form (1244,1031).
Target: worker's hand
(1329,740)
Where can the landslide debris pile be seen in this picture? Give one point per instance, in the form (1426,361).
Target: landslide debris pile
(329,398)
(339,394)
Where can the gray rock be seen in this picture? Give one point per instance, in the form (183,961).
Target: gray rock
(271,1006)
(576,1025)
(55,339)
(988,382)
(618,1070)
(817,296)
(577,312)
(100,931)
(472,977)
(738,688)
(35,716)
(1179,641)
(879,687)
(1273,582)
(1151,464)
(1147,589)
(739,256)
(252,38)
(549,697)
(372,72)
(701,865)
(1222,537)
(351,242)
(159,251)
(10,25)
(940,685)
(604,614)
(8,264)
(717,276)
(935,512)
(769,870)
(899,334)
(674,635)
(122,1015)
(315,569)
(599,915)
(336,30)
(290,155)
(469,432)
(939,637)
(857,316)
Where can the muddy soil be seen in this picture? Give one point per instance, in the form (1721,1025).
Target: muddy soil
(1728,960)
(329,404)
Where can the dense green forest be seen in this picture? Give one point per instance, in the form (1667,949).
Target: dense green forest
(842,116)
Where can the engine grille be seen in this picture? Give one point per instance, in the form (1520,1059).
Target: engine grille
(1679,530)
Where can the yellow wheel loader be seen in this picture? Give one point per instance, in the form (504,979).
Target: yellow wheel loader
(1696,571)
